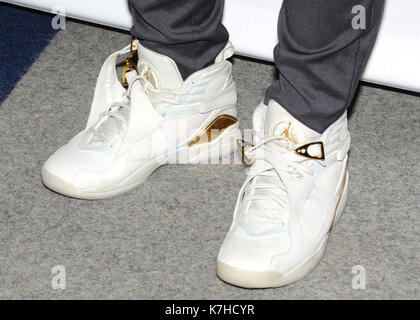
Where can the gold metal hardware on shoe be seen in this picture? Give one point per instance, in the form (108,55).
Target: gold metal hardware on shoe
(247,161)
(286,133)
(303,151)
(338,201)
(129,64)
(214,129)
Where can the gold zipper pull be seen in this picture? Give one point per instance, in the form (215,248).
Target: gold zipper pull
(242,144)
(129,65)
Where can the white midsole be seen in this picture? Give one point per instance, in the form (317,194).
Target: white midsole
(223,146)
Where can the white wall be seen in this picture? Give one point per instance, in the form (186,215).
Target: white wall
(395,60)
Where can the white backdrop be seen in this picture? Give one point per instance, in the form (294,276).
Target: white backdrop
(395,60)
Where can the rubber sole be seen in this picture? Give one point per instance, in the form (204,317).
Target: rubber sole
(222,147)
(269,279)
(272,279)
(60,186)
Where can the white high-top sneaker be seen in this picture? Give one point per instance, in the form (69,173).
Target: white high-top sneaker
(158,119)
(295,191)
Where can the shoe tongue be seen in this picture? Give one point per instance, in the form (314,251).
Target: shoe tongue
(280,122)
(263,217)
(164,73)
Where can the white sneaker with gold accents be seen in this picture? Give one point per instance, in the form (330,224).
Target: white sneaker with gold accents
(295,191)
(158,118)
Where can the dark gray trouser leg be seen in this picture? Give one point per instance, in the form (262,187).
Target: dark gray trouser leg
(188,31)
(320,57)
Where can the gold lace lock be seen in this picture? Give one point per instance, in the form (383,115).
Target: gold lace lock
(247,161)
(129,65)
(304,151)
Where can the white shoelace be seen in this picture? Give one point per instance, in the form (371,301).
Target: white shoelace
(266,200)
(114,122)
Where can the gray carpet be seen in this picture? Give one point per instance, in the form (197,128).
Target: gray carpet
(161,240)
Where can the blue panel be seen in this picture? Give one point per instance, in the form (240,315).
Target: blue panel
(23,35)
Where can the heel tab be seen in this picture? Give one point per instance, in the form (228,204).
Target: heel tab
(226,52)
